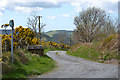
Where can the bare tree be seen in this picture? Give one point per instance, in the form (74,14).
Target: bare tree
(34,24)
(89,24)
(108,29)
(62,37)
(76,36)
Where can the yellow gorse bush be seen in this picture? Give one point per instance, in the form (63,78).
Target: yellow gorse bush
(56,45)
(21,36)
(35,41)
(25,36)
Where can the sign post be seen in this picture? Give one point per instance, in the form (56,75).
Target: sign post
(11,23)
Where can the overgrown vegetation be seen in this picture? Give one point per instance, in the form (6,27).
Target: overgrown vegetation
(95,36)
(24,37)
(25,64)
(102,51)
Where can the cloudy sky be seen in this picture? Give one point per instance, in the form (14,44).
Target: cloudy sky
(56,14)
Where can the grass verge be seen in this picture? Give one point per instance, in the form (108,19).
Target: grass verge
(91,51)
(33,65)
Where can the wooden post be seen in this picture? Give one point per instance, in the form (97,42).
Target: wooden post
(5,46)
(70,40)
(39,27)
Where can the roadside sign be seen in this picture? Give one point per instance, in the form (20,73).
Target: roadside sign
(11,23)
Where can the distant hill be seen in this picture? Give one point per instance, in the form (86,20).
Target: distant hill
(58,36)
(53,32)
(2,31)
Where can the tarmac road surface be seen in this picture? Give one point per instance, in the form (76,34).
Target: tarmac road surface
(74,67)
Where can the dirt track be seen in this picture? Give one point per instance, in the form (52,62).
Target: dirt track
(73,67)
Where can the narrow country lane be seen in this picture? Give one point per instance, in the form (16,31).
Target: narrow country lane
(73,67)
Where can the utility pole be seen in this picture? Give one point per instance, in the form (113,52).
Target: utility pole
(70,40)
(39,27)
(5,46)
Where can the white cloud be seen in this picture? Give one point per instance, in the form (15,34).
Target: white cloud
(110,6)
(3,3)
(1,13)
(72,12)
(30,5)
(27,9)
(55,1)
(62,0)
(65,15)
(80,6)
(51,17)
(78,9)
(36,4)
(75,4)
(110,11)
(26,5)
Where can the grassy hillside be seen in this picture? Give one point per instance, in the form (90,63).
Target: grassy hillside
(54,36)
(53,32)
(103,51)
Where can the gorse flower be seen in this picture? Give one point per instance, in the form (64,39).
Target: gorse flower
(25,36)
(21,36)
(6,24)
